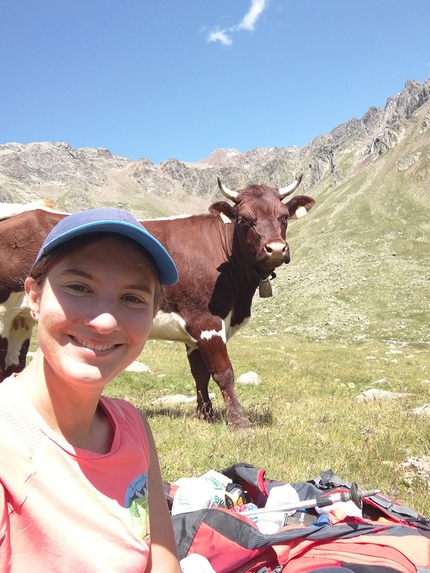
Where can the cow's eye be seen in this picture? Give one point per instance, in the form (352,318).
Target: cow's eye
(246,222)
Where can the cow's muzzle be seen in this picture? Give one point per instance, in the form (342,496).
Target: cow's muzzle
(277,253)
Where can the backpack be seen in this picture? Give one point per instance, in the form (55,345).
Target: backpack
(389,538)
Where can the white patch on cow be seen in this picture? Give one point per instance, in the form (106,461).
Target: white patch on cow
(15,325)
(222,333)
(8,210)
(171,326)
(209,334)
(172,218)
(231,330)
(226,331)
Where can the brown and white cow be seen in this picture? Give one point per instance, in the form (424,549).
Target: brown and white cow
(221,258)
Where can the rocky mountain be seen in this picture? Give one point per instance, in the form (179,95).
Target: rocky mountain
(360,261)
(82,178)
(360,266)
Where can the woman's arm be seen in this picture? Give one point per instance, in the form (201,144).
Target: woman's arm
(163,557)
(4,533)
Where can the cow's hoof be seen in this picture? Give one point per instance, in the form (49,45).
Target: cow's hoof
(239,422)
(206,412)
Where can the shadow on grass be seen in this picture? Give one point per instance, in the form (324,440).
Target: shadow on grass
(257,419)
(260,419)
(178,412)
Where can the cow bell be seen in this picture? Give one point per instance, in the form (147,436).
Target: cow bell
(265,288)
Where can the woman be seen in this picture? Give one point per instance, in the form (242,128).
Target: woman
(80,482)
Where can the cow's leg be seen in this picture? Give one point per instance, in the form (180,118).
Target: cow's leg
(201,375)
(214,353)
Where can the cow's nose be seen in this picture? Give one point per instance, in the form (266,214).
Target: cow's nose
(277,249)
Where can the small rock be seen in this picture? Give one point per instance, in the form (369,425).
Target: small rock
(377,394)
(175,399)
(178,399)
(249,378)
(423,410)
(421,467)
(138,367)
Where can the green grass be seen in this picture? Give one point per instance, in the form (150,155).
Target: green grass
(305,415)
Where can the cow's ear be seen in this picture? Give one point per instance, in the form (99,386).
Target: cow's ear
(300,206)
(223,209)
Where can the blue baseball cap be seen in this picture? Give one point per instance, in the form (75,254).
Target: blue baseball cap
(106,219)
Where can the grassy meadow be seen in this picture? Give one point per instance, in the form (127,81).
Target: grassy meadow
(305,415)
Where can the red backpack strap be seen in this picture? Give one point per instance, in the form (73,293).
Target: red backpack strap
(170,490)
(251,479)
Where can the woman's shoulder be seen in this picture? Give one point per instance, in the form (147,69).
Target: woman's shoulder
(122,410)
(127,419)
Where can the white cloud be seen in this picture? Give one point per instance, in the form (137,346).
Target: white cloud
(248,23)
(220,36)
(250,19)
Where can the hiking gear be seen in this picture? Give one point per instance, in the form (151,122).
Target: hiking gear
(389,538)
(356,495)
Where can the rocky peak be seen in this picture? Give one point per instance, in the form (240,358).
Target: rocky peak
(78,178)
(403,105)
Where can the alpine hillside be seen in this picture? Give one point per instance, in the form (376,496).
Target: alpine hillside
(360,261)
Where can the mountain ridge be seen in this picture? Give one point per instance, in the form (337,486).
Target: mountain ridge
(360,261)
(87,177)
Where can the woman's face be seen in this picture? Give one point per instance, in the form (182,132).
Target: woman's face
(94,312)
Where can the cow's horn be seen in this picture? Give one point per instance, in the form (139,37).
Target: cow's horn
(285,191)
(232,195)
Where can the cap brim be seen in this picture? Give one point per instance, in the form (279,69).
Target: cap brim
(165,265)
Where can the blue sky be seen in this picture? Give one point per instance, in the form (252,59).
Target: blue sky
(171,78)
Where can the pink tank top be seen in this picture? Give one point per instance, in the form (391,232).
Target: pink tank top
(64,509)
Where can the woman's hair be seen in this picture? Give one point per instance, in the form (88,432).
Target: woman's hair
(41,269)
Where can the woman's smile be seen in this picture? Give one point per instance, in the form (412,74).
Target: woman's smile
(97,347)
